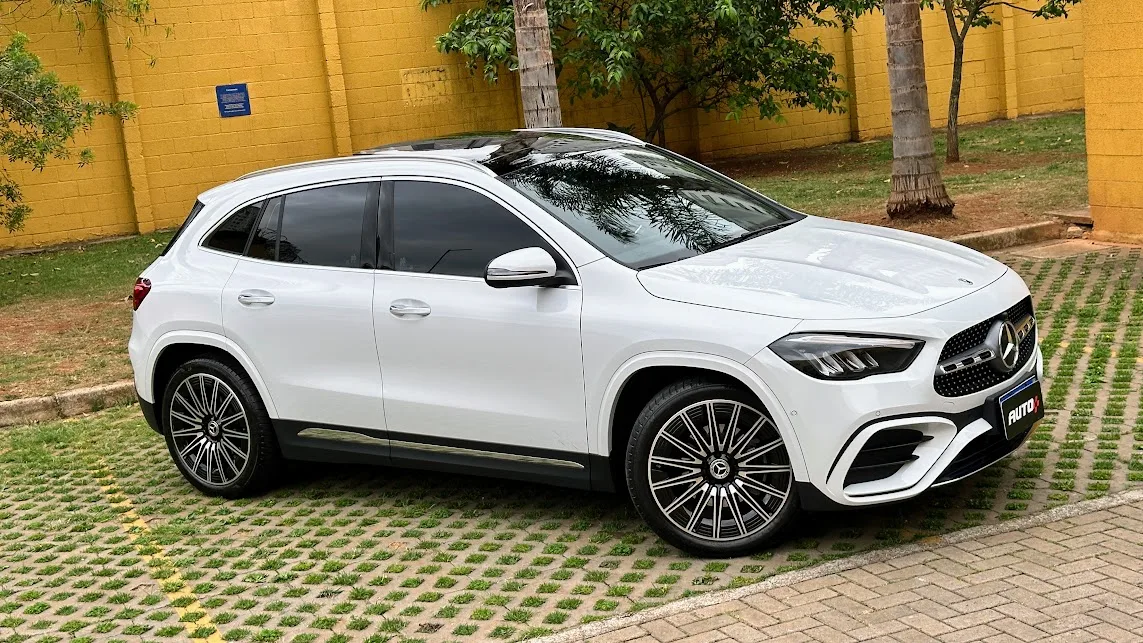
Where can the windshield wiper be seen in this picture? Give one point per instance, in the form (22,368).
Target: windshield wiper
(751,235)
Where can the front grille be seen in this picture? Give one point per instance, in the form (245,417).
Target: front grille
(884,455)
(982,376)
(980,453)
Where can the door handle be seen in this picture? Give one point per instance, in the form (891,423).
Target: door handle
(255,298)
(409,308)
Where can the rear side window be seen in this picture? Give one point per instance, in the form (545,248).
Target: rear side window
(264,241)
(232,234)
(190,217)
(322,227)
(450,230)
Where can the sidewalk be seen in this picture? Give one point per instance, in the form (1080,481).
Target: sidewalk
(1072,574)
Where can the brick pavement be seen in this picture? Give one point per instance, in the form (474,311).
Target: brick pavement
(1073,574)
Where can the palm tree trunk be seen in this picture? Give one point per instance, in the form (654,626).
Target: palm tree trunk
(538,92)
(917,187)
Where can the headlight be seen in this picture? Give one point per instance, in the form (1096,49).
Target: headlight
(846,357)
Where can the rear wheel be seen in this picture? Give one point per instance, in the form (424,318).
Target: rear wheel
(709,471)
(217,430)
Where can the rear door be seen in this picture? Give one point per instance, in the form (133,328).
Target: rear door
(300,304)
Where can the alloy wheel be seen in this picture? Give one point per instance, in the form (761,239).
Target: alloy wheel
(210,430)
(718,470)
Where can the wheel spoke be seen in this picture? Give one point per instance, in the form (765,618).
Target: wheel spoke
(689,465)
(711,425)
(676,481)
(198,407)
(214,399)
(731,492)
(687,495)
(223,455)
(753,504)
(760,451)
(682,446)
(202,393)
(736,447)
(763,487)
(182,417)
(194,430)
(704,448)
(716,525)
(225,422)
(187,405)
(228,445)
(187,449)
(764,468)
(699,509)
(731,429)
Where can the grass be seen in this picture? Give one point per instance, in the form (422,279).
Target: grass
(1010,171)
(65,315)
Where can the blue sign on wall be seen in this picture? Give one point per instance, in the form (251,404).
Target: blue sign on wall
(233,100)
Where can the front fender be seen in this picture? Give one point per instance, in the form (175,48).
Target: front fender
(600,438)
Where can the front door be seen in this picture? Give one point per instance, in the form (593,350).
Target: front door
(477,379)
(300,304)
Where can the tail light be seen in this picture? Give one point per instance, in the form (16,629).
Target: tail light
(139,293)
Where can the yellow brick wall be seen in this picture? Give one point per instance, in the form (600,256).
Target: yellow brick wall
(327,77)
(71,201)
(1113,73)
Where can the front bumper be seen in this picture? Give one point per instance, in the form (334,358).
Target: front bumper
(953,436)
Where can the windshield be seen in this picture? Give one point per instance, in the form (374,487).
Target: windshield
(644,206)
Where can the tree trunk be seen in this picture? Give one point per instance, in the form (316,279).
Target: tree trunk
(952,134)
(917,188)
(538,92)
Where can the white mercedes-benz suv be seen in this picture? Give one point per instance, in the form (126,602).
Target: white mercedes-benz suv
(576,307)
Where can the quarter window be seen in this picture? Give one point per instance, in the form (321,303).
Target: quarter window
(446,229)
(231,236)
(322,227)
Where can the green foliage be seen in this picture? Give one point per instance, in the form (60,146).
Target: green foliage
(40,116)
(732,55)
(975,13)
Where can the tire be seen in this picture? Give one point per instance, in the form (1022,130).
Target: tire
(742,470)
(217,430)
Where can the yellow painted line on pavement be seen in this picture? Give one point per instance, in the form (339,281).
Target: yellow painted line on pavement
(135,527)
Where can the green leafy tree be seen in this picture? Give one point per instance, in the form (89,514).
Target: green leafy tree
(40,116)
(962,16)
(732,55)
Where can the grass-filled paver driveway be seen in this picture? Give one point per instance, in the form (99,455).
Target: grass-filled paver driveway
(101,539)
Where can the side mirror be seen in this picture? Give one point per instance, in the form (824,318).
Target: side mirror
(524,267)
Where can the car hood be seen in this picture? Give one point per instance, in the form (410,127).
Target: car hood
(825,269)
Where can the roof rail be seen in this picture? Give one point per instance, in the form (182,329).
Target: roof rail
(365,156)
(591,132)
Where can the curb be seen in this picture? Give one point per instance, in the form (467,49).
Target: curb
(598,628)
(66,404)
(1020,235)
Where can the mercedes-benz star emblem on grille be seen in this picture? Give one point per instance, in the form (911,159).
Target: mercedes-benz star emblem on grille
(1007,346)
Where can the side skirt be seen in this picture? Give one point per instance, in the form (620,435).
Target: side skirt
(314,442)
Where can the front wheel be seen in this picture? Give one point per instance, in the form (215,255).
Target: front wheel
(218,431)
(708,470)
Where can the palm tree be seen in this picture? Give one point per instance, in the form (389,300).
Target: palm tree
(538,92)
(917,187)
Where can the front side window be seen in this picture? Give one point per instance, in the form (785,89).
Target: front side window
(446,229)
(232,234)
(643,206)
